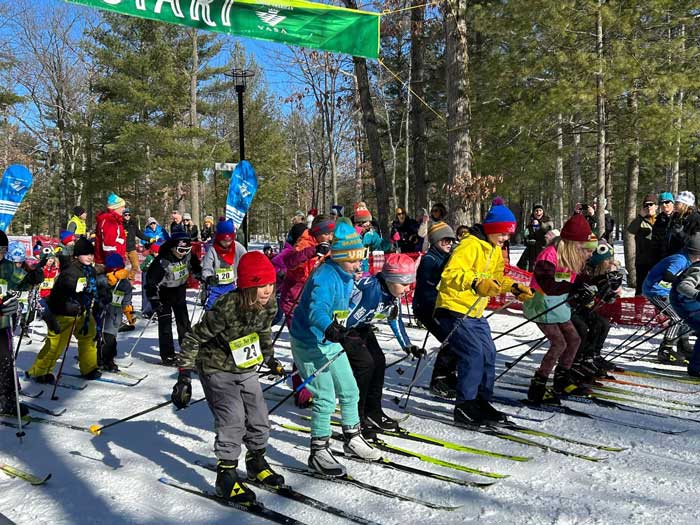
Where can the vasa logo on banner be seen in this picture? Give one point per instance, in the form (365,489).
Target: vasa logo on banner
(271,18)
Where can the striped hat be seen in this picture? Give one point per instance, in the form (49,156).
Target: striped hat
(440,230)
(114,201)
(362,214)
(499,219)
(347,245)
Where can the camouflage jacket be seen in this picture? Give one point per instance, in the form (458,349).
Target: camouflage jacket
(206,347)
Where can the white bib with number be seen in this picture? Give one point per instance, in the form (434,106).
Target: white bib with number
(225,275)
(179,271)
(47,283)
(81,284)
(117,298)
(246,350)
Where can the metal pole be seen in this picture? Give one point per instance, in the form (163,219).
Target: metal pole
(240,89)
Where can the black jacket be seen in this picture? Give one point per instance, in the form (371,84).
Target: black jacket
(74,290)
(132,231)
(161,282)
(642,229)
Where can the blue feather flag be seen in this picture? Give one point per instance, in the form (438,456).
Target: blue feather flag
(241,192)
(16,182)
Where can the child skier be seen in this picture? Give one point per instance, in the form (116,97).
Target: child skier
(69,313)
(115,298)
(555,273)
(474,273)
(146,308)
(379,294)
(685,299)
(220,262)
(166,288)
(50,271)
(657,288)
(442,238)
(316,336)
(224,349)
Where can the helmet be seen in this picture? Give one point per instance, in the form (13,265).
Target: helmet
(399,268)
(16,252)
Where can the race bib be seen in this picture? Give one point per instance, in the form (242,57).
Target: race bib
(225,275)
(342,316)
(179,271)
(665,284)
(562,277)
(81,284)
(3,287)
(117,298)
(23,297)
(47,284)
(246,351)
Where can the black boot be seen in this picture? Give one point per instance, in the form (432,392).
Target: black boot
(539,393)
(566,385)
(668,355)
(92,375)
(381,421)
(469,413)
(684,347)
(490,413)
(45,379)
(229,486)
(441,387)
(259,469)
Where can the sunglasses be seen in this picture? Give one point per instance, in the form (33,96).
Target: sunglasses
(666,202)
(183,250)
(127,215)
(649,204)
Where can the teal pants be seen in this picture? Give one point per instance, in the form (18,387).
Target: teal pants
(335,381)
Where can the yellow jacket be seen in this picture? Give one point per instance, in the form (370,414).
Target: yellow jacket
(472,259)
(80,227)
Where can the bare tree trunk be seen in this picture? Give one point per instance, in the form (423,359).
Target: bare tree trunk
(194,124)
(631,196)
(459,155)
(559,174)
(417,83)
(600,112)
(576,180)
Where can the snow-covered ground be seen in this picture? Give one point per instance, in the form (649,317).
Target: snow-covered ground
(113,478)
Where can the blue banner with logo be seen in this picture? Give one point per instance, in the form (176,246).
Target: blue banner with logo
(241,191)
(16,182)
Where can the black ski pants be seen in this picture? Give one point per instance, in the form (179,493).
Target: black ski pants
(174,305)
(368,364)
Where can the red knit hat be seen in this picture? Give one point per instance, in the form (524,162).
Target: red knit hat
(361,214)
(399,268)
(255,269)
(577,229)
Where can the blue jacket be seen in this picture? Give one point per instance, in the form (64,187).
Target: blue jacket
(427,279)
(158,234)
(658,281)
(326,291)
(685,290)
(371,296)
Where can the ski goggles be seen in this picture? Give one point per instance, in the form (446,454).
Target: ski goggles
(183,250)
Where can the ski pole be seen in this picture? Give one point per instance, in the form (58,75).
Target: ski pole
(97,429)
(537,344)
(54,397)
(501,308)
(638,343)
(531,320)
(633,334)
(516,345)
(307,381)
(143,330)
(686,331)
(20,432)
(416,377)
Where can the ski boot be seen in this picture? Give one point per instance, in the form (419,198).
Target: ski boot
(229,486)
(322,459)
(469,413)
(110,366)
(490,414)
(565,385)
(259,469)
(47,379)
(381,421)
(538,393)
(668,355)
(8,407)
(169,361)
(92,375)
(356,445)
(440,387)
(584,371)
(684,347)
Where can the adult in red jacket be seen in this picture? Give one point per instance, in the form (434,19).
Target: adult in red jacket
(110,236)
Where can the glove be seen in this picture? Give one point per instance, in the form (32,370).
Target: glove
(610,297)
(212,280)
(73,308)
(415,351)
(615,279)
(521,292)
(336,332)
(276,367)
(9,305)
(118,275)
(585,294)
(34,277)
(487,288)
(182,391)
(323,248)
(129,313)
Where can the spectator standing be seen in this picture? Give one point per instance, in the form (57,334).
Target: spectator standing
(207,233)
(535,241)
(641,228)
(404,232)
(110,236)
(76,224)
(132,231)
(661,226)
(190,227)
(176,224)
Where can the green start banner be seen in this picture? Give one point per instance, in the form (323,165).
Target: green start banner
(293,22)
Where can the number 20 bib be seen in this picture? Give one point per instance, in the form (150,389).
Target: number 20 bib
(246,351)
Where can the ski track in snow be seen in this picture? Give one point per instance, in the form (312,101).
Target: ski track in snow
(113,478)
